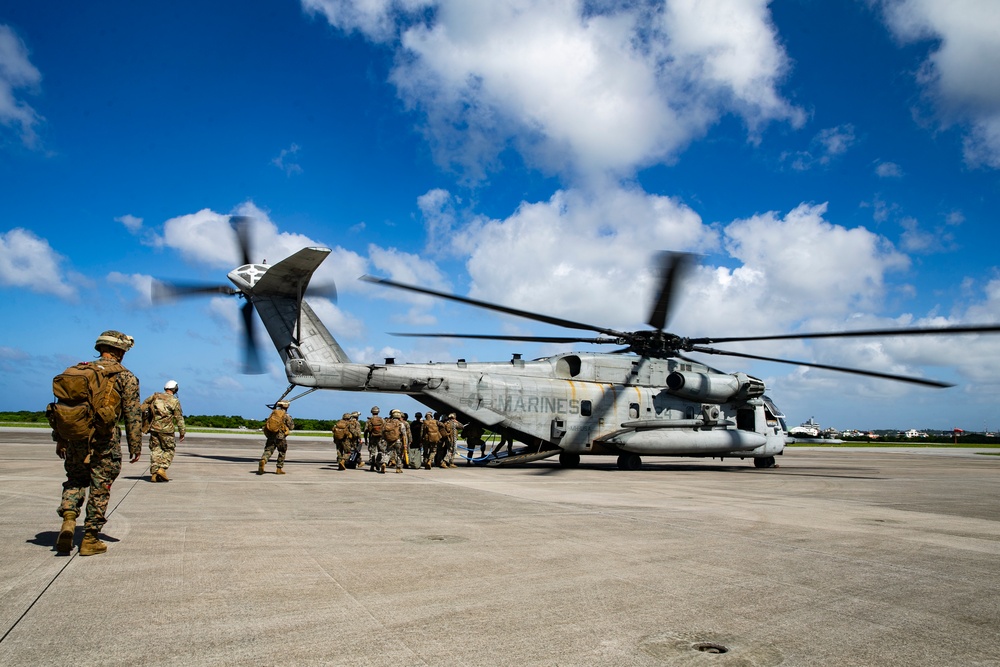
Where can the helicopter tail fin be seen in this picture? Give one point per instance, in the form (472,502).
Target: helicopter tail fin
(295,329)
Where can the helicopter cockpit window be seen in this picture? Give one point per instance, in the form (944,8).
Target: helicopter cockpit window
(585,408)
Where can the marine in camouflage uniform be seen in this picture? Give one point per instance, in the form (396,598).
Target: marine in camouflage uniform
(393,450)
(373,435)
(276,440)
(343,440)
(165,416)
(354,434)
(449,437)
(93,465)
(430,448)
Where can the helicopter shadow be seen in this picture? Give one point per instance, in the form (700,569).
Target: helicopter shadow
(227,459)
(542,469)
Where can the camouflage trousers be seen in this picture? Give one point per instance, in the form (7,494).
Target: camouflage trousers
(343,449)
(449,450)
(431,453)
(275,443)
(394,450)
(375,445)
(161,451)
(95,473)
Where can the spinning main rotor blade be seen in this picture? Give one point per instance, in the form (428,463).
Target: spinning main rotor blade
(559,322)
(520,339)
(860,333)
(840,369)
(673,267)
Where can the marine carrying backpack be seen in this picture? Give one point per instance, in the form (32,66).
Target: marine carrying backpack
(391,431)
(340,429)
(432,433)
(87,402)
(374,425)
(275,422)
(154,409)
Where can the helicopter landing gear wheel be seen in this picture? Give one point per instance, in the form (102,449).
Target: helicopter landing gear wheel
(764,462)
(569,460)
(629,462)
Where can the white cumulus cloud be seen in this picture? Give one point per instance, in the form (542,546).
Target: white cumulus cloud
(578,88)
(17,73)
(959,75)
(29,261)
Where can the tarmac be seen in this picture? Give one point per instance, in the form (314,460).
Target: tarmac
(836,557)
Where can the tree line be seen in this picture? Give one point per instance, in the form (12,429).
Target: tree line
(206,421)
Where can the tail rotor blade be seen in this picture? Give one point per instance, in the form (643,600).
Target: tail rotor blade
(251,356)
(161,291)
(241,225)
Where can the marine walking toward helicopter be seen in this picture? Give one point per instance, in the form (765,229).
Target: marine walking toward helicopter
(373,435)
(342,439)
(276,429)
(430,436)
(393,445)
(92,397)
(161,416)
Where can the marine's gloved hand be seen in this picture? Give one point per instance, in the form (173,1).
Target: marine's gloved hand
(135,457)
(60,449)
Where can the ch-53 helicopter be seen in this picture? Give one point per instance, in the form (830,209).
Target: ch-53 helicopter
(645,398)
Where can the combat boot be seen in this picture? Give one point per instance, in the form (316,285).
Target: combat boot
(427,465)
(162,474)
(154,477)
(260,467)
(341,466)
(64,543)
(279,471)
(399,470)
(444,464)
(91,546)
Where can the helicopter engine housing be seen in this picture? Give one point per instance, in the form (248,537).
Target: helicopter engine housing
(714,387)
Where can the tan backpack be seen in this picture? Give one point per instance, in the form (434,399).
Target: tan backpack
(340,429)
(87,402)
(276,422)
(391,430)
(432,433)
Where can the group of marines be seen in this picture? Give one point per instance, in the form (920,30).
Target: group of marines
(395,442)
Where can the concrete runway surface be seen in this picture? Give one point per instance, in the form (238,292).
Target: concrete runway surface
(837,557)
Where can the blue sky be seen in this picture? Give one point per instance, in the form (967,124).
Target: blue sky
(834,164)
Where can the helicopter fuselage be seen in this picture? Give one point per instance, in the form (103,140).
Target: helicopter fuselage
(581,403)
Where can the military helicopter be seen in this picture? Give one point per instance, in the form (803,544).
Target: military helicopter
(645,398)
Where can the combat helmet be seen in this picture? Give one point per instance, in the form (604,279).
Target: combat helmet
(115,339)
(347,415)
(375,410)
(395,413)
(282,404)
(171,384)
